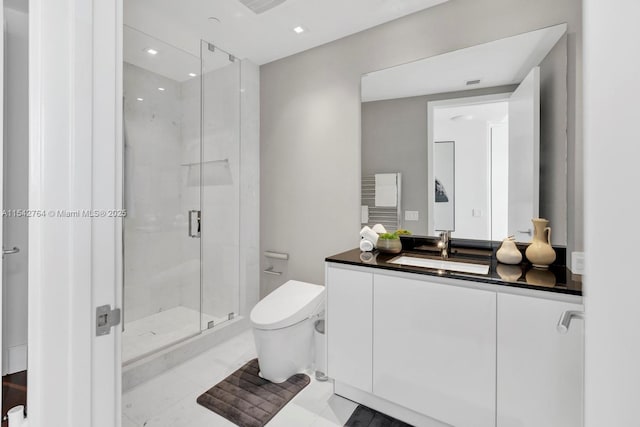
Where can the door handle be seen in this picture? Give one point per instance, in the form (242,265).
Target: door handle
(565,320)
(11,251)
(194,223)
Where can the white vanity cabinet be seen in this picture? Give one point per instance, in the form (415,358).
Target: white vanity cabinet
(438,352)
(540,371)
(350,327)
(434,349)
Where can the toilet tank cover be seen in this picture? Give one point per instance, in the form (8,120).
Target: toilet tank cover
(287,305)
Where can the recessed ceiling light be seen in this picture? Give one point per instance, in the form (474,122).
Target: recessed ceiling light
(161,89)
(192,74)
(151,51)
(299,30)
(140,99)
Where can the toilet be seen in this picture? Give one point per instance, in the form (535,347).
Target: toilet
(283,325)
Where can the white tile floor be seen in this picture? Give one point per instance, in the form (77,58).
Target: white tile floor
(158,330)
(170,399)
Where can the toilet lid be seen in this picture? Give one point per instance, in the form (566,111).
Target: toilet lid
(289,304)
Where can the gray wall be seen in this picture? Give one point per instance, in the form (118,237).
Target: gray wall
(310,122)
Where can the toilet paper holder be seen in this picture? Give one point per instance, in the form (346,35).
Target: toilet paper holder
(275,255)
(272,272)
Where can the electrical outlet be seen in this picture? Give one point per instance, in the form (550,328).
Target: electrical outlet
(577,262)
(411,215)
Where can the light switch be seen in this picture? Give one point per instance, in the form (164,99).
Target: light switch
(411,215)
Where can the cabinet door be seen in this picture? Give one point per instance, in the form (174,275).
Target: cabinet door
(349,326)
(434,349)
(540,371)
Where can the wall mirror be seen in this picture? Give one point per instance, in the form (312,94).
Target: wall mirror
(479,136)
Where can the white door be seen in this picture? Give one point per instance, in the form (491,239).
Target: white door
(434,349)
(75,165)
(611,174)
(524,156)
(540,370)
(349,327)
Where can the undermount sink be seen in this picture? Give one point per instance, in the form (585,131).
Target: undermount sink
(441,264)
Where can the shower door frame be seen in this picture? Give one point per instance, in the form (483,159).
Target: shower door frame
(199,113)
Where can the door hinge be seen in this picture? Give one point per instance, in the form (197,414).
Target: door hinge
(106,318)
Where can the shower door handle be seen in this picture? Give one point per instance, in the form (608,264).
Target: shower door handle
(194,224)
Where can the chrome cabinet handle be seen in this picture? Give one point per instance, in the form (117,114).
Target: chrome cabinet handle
(194,223)
(525,232)
(14,250)
(565,320)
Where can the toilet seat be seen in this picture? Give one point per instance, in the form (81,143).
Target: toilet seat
(291,303)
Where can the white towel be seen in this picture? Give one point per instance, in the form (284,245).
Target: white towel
(368,234)
(379,228)
(366,245)
(386,189)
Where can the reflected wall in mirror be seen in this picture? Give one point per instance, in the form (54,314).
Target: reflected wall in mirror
(444,179)
(510,137)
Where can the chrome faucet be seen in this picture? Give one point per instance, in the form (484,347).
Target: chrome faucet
(444,244)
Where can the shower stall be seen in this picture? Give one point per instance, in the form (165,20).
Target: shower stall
(183,255)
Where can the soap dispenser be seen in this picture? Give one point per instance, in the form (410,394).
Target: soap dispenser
(509,252)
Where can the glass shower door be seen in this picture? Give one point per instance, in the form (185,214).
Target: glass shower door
(162,254)
(220,185)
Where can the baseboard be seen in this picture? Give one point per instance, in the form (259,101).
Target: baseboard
(386,407)
(14,359)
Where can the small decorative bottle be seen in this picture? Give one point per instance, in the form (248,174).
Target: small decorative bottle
(508,252)
(540,252)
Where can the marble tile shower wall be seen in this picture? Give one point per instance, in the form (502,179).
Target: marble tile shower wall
(154,263)
(162,264)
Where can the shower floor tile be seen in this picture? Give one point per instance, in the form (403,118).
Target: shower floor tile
(143,336)
(154,403)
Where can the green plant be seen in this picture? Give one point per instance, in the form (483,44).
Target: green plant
(389,236)
(403,232)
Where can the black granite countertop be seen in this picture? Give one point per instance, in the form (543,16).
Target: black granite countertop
(557,278)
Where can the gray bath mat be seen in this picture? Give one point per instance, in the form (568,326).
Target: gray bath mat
(247,400)
(367,417)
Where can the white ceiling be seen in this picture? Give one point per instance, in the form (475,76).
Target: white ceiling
(265,37)
(501,62)
(171,62)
